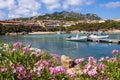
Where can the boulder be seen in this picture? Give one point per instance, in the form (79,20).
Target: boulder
(67,62)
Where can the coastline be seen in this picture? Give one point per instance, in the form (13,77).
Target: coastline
(114,31)
(43,33)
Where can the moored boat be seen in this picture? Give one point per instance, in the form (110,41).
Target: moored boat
(77,38)
(98,36)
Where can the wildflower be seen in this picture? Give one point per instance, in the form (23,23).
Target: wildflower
(85,71)
(37,53)
(101,59)
(26,49)
(38,74)
(40,67)
(14,70)
(80,72)
(91,60)
(112,60)
(60,69)
(53,78)
(71,73)
(55,56)
(47,62)
(92,73)
(101,66)
(12,65)
(88,66)
(52,70)
(17,45)
(77,61)
(28,77)
(21,69)
(39,62)
(20,77)
(3,69)
(114,52)
(14,49)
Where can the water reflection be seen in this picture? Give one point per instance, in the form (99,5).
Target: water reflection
(58,44)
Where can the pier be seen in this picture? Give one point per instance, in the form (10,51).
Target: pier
(115,41)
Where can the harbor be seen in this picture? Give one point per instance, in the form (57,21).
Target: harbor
(114,41)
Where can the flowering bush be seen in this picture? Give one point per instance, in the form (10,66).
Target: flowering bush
(19,62)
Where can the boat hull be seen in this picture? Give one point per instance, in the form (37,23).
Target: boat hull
(82,39)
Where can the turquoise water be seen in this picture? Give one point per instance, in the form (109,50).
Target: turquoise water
(57,44)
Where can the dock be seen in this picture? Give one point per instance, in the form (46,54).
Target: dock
(115,41)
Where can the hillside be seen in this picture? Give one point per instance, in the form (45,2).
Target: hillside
(66,16)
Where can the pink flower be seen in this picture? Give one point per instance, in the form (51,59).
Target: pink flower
(47,62)
(37,53)
(88,66)
(80,72)
(20,77)
(14,49)
(17,45)
(40,67)
(92,73)
(55,56)
(101,59)
(21,69)
(38,74)
(91,60)
(14,70)
(71,73)
(114,52)
(28,77)
(60,69)
(3,69)
(39,62)
(112,60)
(77,61)
(53,71)
(26,49)
(12,65)
(102,67)
(53,78)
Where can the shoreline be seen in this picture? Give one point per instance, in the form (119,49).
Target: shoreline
(115,31)
(43,33)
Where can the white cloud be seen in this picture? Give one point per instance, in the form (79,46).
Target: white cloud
(51,4)
(9,4)
(112,4)
(76,3)
(89,2)
(25,8)
(52,7)
(2,15)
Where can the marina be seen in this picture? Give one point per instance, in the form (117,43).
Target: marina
(58,44)
(115,41)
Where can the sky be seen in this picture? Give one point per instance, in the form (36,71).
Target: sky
(106,9)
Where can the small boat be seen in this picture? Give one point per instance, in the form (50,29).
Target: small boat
(98,36)
(77,38)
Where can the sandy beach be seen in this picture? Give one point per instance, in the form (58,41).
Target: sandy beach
(43,33)
(114,31)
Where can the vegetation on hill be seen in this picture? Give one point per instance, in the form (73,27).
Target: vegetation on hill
(66,16)
(81,27)
(95,26)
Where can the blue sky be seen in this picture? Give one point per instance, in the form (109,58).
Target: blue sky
(106,9)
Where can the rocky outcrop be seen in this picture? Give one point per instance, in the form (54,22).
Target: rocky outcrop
(67,62)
